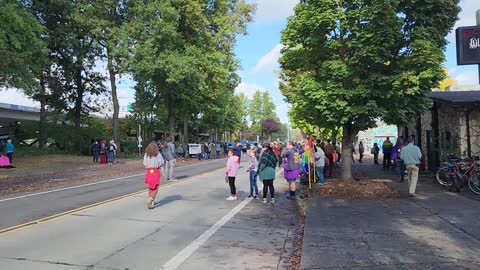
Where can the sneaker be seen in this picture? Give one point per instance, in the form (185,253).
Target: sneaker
(319,184)
(255,197)
(411,195)
(230,198)
(272,200)
(250,196)
(264,200)
(150,203)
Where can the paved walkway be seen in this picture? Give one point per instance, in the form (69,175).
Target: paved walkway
(435,230)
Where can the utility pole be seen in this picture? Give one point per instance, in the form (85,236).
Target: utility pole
(478,23)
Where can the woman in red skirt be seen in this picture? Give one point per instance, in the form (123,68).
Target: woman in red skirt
(153,162)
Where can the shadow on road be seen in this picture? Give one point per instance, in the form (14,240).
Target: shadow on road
(168,200)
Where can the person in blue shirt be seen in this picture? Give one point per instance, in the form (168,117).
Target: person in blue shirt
(9,147)
(411,155)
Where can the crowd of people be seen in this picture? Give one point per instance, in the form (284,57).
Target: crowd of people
(104,153)
(303,159)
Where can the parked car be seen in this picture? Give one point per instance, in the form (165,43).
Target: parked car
(244,145)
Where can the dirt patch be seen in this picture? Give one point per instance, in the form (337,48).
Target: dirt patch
(365,189)
(48,161)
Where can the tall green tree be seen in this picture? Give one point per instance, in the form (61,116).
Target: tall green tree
(261,108)
(349,62)
(69,78)
(22,50)
(185,48)
(108,23)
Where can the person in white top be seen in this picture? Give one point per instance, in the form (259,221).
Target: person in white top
(153,162)
(319,164)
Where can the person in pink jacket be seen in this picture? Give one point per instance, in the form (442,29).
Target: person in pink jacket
(233,163)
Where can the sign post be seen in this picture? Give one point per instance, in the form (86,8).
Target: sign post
(468,45)
(478,24)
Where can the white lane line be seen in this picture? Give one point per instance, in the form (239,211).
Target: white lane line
(67,188)
(183,255)
(85,185)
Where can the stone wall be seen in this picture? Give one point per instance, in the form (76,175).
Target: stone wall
(450,122)
(452,131)
(474,133)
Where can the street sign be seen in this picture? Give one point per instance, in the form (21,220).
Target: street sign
(129,108)
(468,45)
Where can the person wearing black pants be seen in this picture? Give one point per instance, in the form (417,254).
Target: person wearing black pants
(233,163)
(268,184)
(231,183)
(266,171)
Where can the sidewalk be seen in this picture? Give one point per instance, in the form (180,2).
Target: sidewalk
(435,230)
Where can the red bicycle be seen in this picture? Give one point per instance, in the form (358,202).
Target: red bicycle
(456,172)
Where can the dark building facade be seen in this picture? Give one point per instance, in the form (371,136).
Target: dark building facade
(452,125)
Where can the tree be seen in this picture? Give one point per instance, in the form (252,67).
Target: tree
(69,76)
(108,23)
(270,126)
(261,108)
(22,50)
(185,49)
(447,82)
(347,63)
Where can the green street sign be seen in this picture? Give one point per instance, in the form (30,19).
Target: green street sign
(129,108)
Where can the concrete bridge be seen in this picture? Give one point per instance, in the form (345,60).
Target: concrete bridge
(12,115)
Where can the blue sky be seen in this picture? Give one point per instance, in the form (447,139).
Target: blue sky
(259,51)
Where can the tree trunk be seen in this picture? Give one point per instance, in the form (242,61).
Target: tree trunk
(171,115)
(349,133)
(79,99)
(116,107)
(185,128)
(334,136)
(42,136)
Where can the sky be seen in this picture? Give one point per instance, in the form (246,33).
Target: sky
(259,51)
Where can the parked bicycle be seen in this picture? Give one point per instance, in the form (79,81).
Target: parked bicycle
(457,172)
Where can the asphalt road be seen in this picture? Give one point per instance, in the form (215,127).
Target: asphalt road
(29,207)
(192,227)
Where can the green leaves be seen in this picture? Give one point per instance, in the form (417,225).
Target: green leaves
(22,50)
(355,61)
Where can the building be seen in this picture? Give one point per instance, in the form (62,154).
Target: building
(377,135)
(452,125)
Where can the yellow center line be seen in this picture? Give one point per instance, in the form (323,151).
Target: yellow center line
(76,210)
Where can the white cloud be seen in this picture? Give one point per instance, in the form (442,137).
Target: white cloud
(269,62)
(282,111)
(273,11)
(248,89)
(14,96)
(467,16)
(469,77)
